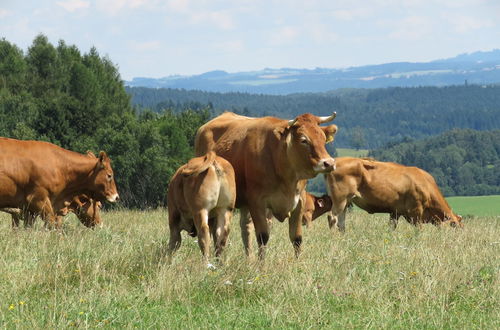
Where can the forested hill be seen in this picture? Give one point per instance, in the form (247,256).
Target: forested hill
(368,118)
(463,162)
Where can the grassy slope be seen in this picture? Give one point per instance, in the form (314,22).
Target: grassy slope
(369,277)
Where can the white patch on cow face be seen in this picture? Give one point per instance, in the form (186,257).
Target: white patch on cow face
(112,198)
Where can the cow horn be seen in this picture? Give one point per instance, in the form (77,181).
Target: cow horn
(292,122)
(326,119)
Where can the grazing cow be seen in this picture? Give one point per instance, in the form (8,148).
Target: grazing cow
(86,210)
(200,198)
(314,207)
(272,159)
(381,187)
(43,179)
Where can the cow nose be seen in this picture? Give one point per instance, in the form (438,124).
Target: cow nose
(113,198)
(329,164)
(325,165)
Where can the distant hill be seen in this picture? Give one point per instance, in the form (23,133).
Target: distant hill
(473,68)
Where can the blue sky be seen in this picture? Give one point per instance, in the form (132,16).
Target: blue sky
(153,38)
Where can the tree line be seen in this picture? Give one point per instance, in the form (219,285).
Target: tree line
(463,161)
(368,118)
(78,101)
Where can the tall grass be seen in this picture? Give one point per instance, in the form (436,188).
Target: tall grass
(369,277)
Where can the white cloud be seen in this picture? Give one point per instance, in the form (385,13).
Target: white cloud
(74,5)
(409,28)
(4,13)
(321,33)
(234,46)
(222,19)
(180,6)
(463,23)
(112,7)
(284,35)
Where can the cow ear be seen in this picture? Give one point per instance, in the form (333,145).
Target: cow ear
(330,132)
(279,132)
(320,202)
(102,158)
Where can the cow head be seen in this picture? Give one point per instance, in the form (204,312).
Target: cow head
(87,210)
(104,181)
(456,221)
(322,205)
(306,145)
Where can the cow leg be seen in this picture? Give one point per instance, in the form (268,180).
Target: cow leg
(222,232)
(341,220)
(201,223)
(15,220)
(246,227)
(339,210)
(44,207)
(29,219)
(393,221)
(332,221)
(295,227)
(175,240)
(212,225)
(261,229)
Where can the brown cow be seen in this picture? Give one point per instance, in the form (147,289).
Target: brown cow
(381,187)
(200,198)
(314,207)
(43,179)
(86,210)
(272,159)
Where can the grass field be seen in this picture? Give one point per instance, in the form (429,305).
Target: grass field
(344,152)
(476,205)
(369,277)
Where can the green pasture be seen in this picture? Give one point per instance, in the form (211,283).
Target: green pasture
(476,205)
(345,152)
(369,277)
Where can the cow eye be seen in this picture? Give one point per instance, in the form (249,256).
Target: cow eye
(304,140)
(110,177)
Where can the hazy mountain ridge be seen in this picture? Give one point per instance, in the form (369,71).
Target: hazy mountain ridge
(475,68)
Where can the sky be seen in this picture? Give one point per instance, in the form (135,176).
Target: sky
(154,38)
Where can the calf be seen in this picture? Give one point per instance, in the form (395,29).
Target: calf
(86,209)
(381,187)
(203,189)
(314,207)
(41,178)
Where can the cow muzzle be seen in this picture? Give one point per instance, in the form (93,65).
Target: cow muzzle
(113,198)
(325,165)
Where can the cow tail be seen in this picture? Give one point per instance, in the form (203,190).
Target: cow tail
(195,167)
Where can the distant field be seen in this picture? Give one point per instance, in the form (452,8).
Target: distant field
(476,205)
(369,277)
(344,152)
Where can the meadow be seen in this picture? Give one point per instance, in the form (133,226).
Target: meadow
(369,277)
(475,205)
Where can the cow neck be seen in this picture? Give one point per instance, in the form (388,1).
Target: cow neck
(282,166)
(79,169)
